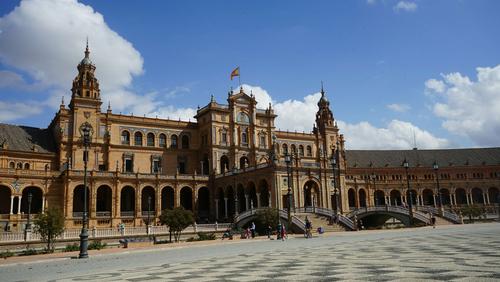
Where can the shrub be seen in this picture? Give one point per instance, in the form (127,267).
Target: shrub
(6,254)
(177,220)
(29,252)
(97,245)
(50,225)
(203,237)
(71,248)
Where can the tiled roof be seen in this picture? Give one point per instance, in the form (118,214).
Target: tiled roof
(424,158)
(25,138)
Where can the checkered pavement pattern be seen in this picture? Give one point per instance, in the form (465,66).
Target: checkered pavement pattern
(433,258)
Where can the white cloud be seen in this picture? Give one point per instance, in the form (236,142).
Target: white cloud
(371,2)
(300,115)
(400,108)
(397,135)
(471,108)
(13,111)
(46,39)
(406,6)
(263,98)
(434,85)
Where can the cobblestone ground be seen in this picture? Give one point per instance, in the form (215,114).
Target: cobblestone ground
(455,253)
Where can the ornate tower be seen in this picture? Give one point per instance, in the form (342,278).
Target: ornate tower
(324,116)
(85,90)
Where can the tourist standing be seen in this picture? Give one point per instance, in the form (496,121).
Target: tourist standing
(252,229)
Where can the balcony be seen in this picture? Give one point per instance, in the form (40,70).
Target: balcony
(127,214)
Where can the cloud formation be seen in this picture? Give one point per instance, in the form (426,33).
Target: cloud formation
(400,108)
(469,108)
(405,6)
(59,29)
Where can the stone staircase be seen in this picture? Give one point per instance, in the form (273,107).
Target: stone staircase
(318,220)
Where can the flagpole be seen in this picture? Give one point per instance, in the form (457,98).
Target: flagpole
(239,76)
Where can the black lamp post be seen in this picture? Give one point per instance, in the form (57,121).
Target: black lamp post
(373,177)
(288,160)
(236,208)
(436,168)
(409,194)
(86,133)
(149,210)
(28,223)
(334,182)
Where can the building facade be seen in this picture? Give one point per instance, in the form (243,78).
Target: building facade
(230,160)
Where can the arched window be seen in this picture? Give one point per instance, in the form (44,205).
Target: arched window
(173,141)
(162,140)
(12,165)
(185,142)
(262,142)
(19,165)
(125,138)
(26,166)
(301,150)
(151,139)
(138,139)
(244,137)
(294,149)
(243,118)
(309,151)
(285,149)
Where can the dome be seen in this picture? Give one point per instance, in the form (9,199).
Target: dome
(86,61)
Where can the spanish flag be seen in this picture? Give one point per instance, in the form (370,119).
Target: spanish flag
(235,72)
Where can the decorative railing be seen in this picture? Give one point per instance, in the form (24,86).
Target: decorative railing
(103,214)
(394,209)
(336,217)
(451,216)
(283,214)
(127,213)
(114,232)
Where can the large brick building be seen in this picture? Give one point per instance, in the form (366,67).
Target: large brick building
(231,159)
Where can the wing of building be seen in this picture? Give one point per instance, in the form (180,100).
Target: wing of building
(230,160)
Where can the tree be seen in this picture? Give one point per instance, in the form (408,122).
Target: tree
(49,225)
(472,211)
(266,217)
(177,220)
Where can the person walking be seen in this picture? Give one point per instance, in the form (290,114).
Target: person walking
(308,228)
(278,231)
(269,231)
(252,229)
(283,232)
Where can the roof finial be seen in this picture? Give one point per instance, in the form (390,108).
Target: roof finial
(109,105)
(212,99)
(322,91)
(62,101)
(87,48)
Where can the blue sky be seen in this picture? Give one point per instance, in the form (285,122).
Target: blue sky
(375,58)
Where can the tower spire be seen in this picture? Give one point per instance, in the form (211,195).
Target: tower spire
(87,52)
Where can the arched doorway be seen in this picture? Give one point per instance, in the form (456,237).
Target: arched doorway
(5,193)
(395,196)
(428,197)
(148,202)
(187,198)
(241,198)
(311,190)
(104,199)
(351,194)
(203,203)
(36,200)
(77,201)
(477,196)
(167,198)
(224,164)
(127,202)
(445,196)
(264,194)
(252,196)
(230,196)
(244,162)
(379,197)
(460,196)
(493,195)
(362,198)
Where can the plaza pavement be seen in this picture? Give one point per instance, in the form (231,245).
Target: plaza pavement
(447,253)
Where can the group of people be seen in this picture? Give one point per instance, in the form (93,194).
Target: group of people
(281,232)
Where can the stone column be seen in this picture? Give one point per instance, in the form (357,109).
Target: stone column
(158,202)
(402,199)
(453,199)
(216,209)
(434,199)
(484,198)
(43,204)
(357,200)
(258,200)
(138,203)
(19,205)
(247,202)
(487,198)
(468,200)
(225,207)
(177,197)
(11,204)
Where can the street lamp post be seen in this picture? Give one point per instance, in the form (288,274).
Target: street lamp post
(236,208)
(436,168)
(149,210)
(86,132)
(288,160)
(28,223)
(373,177)
(334,182)
(410,202)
